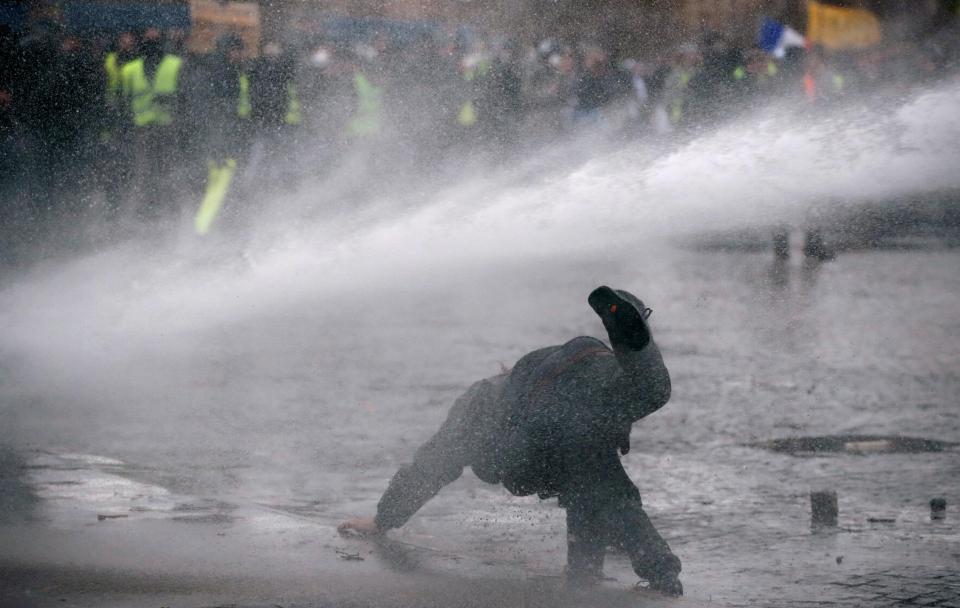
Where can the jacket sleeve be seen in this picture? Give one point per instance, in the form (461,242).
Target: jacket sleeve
(437,463)
(643,386)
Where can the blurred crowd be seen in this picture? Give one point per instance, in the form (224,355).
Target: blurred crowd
(132,124)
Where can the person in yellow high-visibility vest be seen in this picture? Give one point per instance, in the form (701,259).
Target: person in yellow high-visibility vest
(473,68)
(500,101)
(150,86)
(274,95)
(367,120)
(763,73)
(111,70)
(684,66)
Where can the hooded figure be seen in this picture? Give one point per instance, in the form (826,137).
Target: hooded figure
(553,426)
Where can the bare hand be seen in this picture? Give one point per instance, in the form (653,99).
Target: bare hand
(360,526)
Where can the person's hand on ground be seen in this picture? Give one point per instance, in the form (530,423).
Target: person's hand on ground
(359,526)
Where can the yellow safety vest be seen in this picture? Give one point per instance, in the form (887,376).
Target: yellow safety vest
(467,116)
(837,81)
(243,103)
(150,104)
(479,69)
(677,103)
(368,118)
(111,66)
(294,114)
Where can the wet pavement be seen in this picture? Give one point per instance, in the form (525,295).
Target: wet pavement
(103,538)
(904,587)
(262,433)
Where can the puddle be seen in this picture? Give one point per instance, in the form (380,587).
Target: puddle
(855,444)
(83,488)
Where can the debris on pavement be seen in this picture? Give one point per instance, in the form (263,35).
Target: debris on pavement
(347,556)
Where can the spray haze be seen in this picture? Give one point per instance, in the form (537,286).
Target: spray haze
(757,171)
(123,322)
(293,357)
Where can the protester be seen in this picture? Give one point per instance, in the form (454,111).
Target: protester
(553,426)
(141,120)
(597,85)
(277,119)
(500,103)
(153,105)
(223,85)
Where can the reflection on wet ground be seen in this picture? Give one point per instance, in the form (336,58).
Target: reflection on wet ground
(857,444)
(275,428)
(77,489)
(17,498)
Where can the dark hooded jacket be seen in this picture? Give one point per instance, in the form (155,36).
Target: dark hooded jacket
(533,427)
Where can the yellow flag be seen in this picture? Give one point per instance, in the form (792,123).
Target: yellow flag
(218,183)
(839,28)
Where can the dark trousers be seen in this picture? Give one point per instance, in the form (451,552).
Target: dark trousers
(113,170)
(604,509)
(155,149)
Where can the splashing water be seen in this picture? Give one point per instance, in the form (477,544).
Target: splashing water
(67,326)
(297,368)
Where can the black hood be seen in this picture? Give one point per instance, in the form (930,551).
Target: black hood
(624,316)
